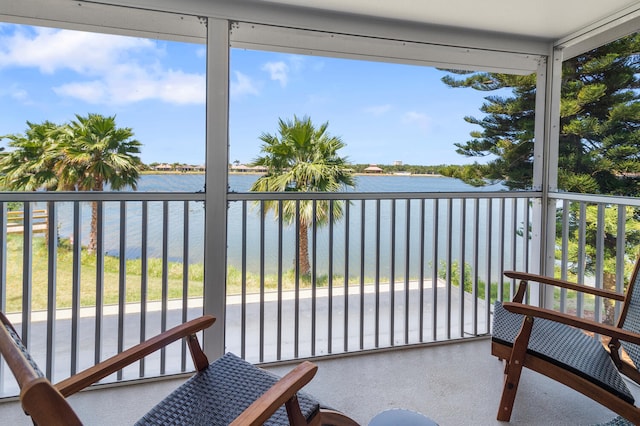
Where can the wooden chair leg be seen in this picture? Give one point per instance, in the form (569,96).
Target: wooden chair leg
(513,370)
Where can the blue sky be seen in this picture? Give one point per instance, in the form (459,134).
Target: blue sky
(383,112)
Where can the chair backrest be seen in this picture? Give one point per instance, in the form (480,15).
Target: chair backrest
(630,315)
(39,398)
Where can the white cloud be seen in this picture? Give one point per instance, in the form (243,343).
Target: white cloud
(107,69)
(378,110)
(278,71)
(423,121)
(51,50)
(14,91)
(93,92)
(242,85)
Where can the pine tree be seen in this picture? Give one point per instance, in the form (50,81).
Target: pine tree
(599,147)
(599,142)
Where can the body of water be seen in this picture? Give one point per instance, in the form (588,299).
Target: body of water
(380,239)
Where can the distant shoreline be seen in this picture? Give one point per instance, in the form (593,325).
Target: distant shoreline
(176,172)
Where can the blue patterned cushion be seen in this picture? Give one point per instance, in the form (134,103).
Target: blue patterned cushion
(632,320)
(217,395)
(564,346)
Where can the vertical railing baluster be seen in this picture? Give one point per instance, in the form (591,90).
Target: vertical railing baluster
(620,258)
(314,271)
(392,273)
(280,271)
(488,253)
(144,279)
(514,241)
(407,250)
(377,276)
(462,264)
(476,263)
(52,263)
(449,266)
(501,233)
(185,279)
(99,308)
(347,227)
(27,274)
(75,289)
(582,238)
(122,281)
(599,272)
(330,283)
(434,269)
(565,253)
(421,271)
(297,284)
(165,280)
(243,291)
(262,282)
(526,227)
(362,268)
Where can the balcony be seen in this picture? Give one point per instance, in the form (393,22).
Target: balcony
(395,310)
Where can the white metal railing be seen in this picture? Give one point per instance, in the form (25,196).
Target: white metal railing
(597,241)
(74,308)
(396,269)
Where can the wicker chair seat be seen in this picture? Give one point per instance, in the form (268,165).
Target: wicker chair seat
(564,346)
(219,394)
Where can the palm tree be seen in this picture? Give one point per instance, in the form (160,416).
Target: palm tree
(96,152)
(30,165)
(81,156)
(303,159)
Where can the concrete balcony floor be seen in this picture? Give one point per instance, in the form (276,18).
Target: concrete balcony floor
(454,384)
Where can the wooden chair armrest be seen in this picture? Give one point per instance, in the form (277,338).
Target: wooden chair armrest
(573,321)
(117,362)
(284,390)
(525,276)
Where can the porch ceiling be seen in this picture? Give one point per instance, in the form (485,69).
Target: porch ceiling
(545,19)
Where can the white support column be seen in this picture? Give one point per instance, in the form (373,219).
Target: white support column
(546,171)
(553,137)
(539,155)
(215,248)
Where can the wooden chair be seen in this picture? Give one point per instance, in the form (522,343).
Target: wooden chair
(227,391)
(563,347)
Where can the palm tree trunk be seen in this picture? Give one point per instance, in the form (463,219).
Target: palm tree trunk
(93,233)
(303,252)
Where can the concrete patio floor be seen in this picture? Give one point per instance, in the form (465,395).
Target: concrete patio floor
(454,384)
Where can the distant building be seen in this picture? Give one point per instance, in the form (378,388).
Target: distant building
(260,169)
(397,163)
(240,168)
(185,168)
(163,168)
(373,169)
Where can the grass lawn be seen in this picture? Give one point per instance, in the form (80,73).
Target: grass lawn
(111,292)
(134,275)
